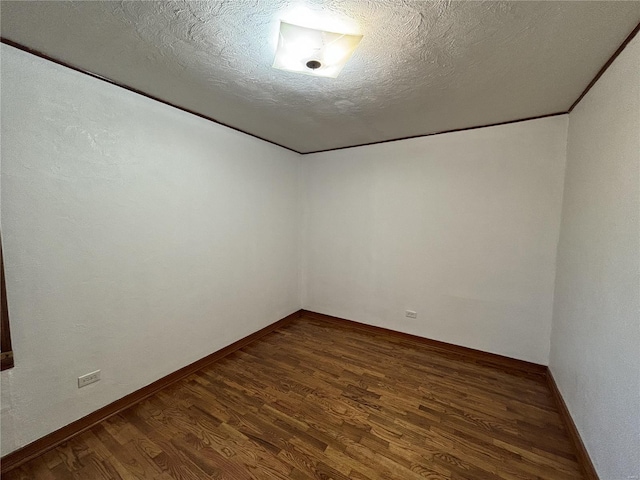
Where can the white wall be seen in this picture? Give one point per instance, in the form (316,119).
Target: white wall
(595,342)
(137,239)
(461,228)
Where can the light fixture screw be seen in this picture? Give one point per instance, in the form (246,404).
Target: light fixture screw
(313,64)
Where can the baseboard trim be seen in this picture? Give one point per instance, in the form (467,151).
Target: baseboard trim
(581,452)
(485,358)
(53,439)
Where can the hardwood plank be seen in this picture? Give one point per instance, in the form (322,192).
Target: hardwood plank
(317,398)
(46,443)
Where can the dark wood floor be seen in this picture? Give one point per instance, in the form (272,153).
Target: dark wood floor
(318,400)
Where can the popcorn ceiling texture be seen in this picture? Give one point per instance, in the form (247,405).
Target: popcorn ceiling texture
(422,66)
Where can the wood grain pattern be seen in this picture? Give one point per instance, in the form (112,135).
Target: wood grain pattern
(65,433)
(478,356)
(321,399)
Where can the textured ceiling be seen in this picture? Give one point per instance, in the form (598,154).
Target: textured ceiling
(422,66)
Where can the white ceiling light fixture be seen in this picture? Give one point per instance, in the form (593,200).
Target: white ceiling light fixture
(313,52)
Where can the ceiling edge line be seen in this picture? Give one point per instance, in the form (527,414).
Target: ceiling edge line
(44,56)
(441,132)
(57,61)
(606,66)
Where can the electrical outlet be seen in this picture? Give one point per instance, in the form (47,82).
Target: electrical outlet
(85,380)
(410,314)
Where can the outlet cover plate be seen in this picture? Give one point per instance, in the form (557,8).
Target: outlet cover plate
(410,314)
(88,378)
